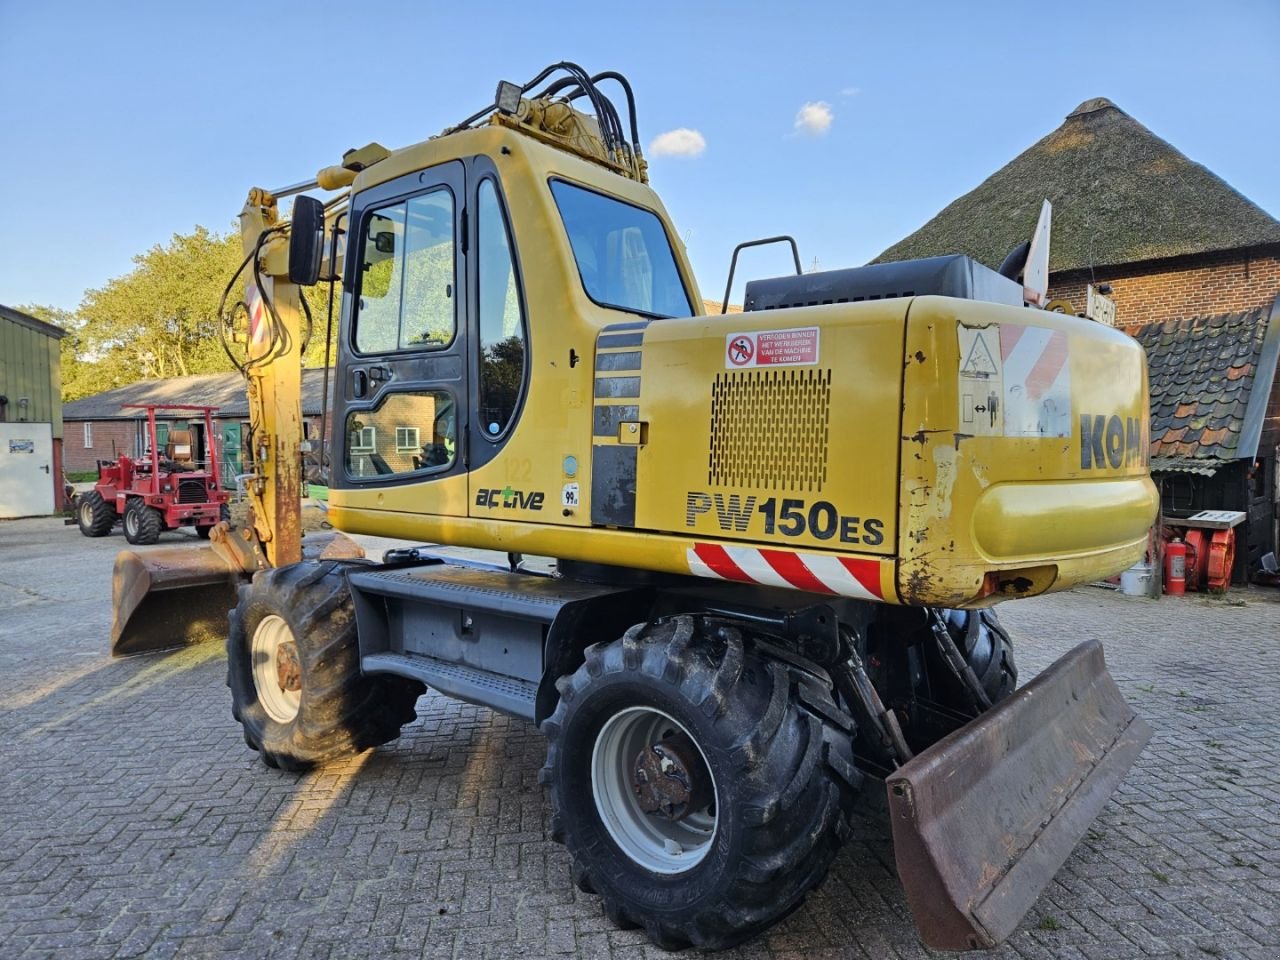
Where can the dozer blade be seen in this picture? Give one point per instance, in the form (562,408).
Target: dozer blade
(170,597)
(983,819)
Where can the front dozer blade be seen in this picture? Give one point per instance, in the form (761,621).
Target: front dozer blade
(983,819)
(169,597)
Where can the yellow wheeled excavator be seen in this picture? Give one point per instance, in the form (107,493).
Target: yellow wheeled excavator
(778,535)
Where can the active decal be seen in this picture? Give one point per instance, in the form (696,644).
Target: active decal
(771,348)
(816,573)
(1109,441)
(787,517)
(510,499)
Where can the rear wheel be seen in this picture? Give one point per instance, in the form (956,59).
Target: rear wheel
(95,516)
(701,786)
(293,666)
(142,524)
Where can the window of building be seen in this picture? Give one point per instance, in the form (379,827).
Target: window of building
(88,435)
(364,439)
(379,444)
(502,322)
(406,299)
(623,254)
(407,440)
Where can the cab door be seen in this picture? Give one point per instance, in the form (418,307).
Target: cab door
(402,363)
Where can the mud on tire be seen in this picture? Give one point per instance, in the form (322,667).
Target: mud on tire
(778,752)
(337,710)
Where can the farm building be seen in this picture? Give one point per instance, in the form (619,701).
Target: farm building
(103,426)
(1193,268)
(30,415)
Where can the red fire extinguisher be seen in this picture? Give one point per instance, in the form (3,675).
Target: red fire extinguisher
(1175,568)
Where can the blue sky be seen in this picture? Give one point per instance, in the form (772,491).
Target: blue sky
(125,123)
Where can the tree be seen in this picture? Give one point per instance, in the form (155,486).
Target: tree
(161,319)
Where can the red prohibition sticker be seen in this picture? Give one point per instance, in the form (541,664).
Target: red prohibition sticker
(772,348)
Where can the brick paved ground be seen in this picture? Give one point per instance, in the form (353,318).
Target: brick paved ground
(134,822)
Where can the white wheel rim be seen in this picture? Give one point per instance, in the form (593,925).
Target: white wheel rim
(660,845)
(86,514)
(131,522)
(271,634)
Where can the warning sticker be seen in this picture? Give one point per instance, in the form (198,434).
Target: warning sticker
(772,348)
(981,385)
(1014,381)
(1037,382)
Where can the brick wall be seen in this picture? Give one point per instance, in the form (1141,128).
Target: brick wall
(76,458)
(1227,282)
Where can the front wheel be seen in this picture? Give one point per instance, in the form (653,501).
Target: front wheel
(293,666)
(95,515)
(701,786)
(142,524)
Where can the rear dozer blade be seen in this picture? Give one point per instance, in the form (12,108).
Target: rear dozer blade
(168,598)
(983,819)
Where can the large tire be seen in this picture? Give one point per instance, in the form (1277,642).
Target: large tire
(224,513)
(304,706)
(142,524)
(773,744)
(987,648)
(95,516)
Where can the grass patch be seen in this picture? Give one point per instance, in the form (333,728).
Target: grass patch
(1162,877)
(1051,923)
(1216,744)
(81,476)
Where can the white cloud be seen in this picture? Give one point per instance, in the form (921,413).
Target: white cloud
(681,142)
(850,91)
(814,119)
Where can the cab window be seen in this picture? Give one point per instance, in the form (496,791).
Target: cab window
(502,323)
(407,270)
(623,254)
(408,432)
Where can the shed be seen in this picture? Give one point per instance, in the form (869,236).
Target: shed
(30,415)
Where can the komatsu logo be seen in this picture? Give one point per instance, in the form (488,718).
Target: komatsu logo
(1111,442)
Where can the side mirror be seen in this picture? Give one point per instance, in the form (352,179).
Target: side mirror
(306,241)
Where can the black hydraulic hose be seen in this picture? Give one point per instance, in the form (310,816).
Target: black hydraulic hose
(328,343)
(224,321)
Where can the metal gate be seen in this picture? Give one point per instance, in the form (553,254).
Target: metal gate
(26,470)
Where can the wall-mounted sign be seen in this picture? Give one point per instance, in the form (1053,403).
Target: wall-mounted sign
(22,446)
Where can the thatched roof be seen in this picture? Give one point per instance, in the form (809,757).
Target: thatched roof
(1120,194)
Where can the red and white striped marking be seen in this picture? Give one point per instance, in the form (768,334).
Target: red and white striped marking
(816,573)
(1034,358)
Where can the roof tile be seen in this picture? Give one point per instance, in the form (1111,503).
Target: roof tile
(1201,373)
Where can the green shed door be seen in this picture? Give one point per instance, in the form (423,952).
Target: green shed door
(231,462)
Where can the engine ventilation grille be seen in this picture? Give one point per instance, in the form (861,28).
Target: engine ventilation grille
(192,491)
(769,429)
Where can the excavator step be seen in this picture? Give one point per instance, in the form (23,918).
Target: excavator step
(471,631)
(506,694)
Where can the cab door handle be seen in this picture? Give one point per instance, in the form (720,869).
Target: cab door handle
(359,383)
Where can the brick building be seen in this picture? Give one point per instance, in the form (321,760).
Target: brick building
(1193,268)
(101,428)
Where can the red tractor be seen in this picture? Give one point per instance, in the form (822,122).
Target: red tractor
(163,490)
